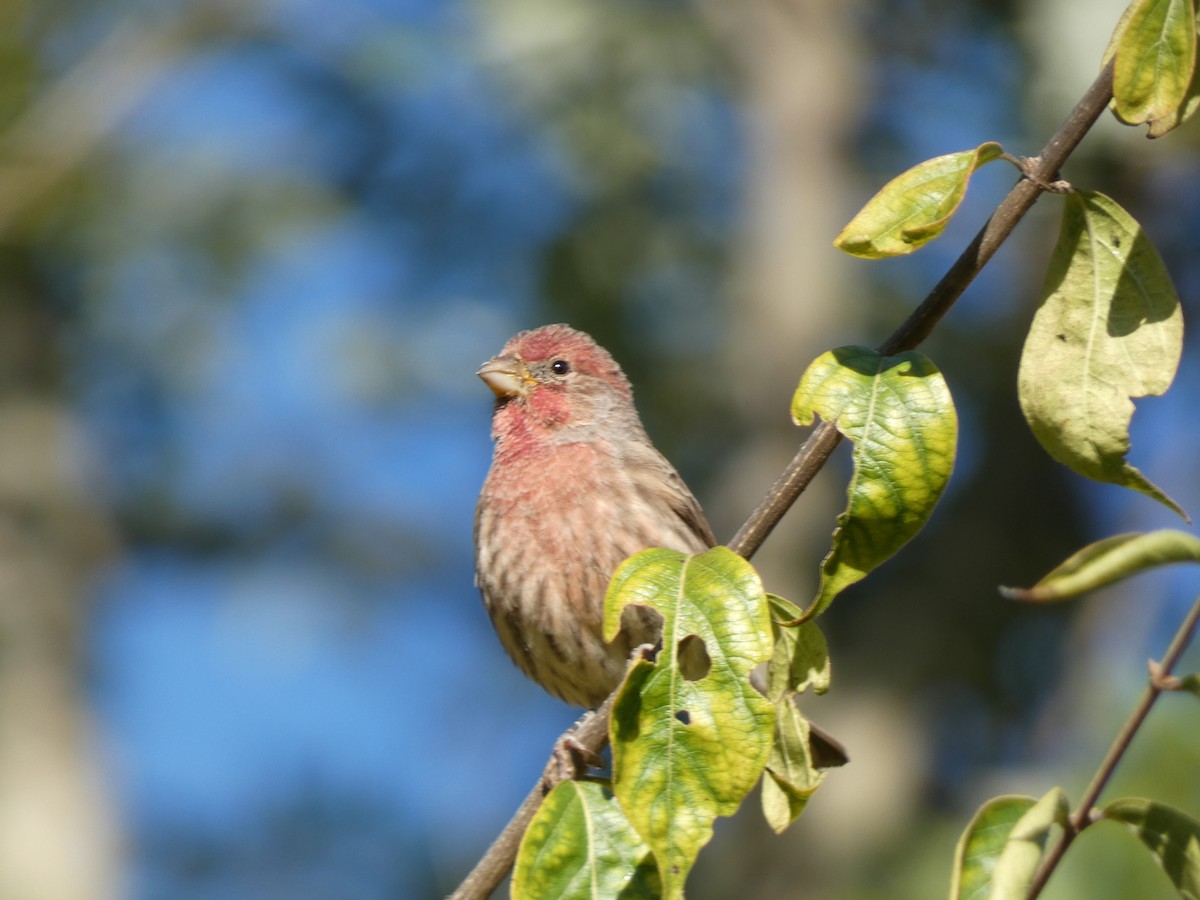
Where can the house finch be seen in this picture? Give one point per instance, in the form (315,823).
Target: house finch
(575,487)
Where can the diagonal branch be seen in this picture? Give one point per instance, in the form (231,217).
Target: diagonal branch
(1160,674)
(1041,171)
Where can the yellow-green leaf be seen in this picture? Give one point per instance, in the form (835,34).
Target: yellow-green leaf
(1110,560)
(790,778)
(687,749)
(1001,846)
(579,845)
(913,208)
(1173,837)
(801,657)
(1155,62)
(1109,329)
(898,413)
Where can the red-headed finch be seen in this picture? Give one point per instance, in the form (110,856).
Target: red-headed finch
(575,487)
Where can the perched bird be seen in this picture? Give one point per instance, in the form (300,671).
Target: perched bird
(575,487)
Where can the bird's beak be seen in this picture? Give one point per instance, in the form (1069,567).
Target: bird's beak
(507,376)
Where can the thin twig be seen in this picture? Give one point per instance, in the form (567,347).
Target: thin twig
(1082,816)
(816,449)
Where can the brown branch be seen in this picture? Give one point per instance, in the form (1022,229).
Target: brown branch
(816,449)
(1081,818)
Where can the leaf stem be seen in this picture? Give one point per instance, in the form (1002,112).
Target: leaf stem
(1081,818)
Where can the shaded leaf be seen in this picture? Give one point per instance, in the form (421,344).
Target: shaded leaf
(790,778)
(1109,328)
(1173,837)
(801,657)
(1155,64)
(913,208)
(898,413)
(686,751)
(1189,683)
(579,845)
(1110,560)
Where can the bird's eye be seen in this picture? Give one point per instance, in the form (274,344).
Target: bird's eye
(560,367)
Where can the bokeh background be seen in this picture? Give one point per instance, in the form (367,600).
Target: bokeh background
(251,254)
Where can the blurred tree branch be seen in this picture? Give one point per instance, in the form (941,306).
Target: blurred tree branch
(66,123)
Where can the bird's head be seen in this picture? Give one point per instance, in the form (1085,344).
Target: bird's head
(556,376)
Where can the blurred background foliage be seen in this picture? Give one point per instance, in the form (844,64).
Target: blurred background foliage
(252,253)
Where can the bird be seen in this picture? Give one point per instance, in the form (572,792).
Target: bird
(575,487)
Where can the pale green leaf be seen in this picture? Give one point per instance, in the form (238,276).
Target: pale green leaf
(1110,560)
(1109,329)
(913,208)
(686,750)
(898,413)
(980,846)
(801,657)
(579,845)
(1002,845)
(790,778)
(1173,837)
(1155,63)
(1018,861)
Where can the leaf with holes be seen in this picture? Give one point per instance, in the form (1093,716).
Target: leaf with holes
(579,845)
(898,413)
(914,207)
(690,734)
(1109,329)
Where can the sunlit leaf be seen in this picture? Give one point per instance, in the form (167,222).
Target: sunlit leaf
(1109,329)
(913,208)
(1155,64)
(686,750)
(1173,837)
(980,846)
(898,413)
(1110,560)
(1001,846)
(579,845)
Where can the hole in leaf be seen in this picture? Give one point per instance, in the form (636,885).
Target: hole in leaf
(694,661)
(684,716)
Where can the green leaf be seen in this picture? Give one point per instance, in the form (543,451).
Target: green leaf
(688,749)
(980,846)
(1001,847)
(1156,60)
(1109,328)
(1018,861)
(801,657)
(790,778)
(579,845)
(913,208)
(1110,560)
(1172,836)
(898,413)
(1189,683)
